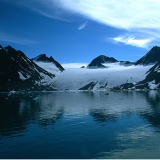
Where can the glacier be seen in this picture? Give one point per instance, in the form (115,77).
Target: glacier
(112,75)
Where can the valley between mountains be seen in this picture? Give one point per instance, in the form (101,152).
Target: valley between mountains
(42,73)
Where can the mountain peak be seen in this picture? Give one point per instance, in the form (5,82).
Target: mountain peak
(152,57)
(102,56)
(156,46)
(41,57)
(44,58)
(19,72)
(97,62)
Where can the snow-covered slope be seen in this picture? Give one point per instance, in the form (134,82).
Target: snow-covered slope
(49,67)
(152,79)
(17,71)
(114,74)
(48,64)
(152,57)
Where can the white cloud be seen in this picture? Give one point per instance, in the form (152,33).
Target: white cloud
(82,25)
(131,40)
(74,65)
(126,14)
(141,16)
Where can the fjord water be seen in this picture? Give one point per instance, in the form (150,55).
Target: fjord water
(123,124)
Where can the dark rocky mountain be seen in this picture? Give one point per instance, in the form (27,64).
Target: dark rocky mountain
(152,57)
(44,58)
(18,72)
(97,62)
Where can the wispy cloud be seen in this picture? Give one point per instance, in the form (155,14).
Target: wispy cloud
(47,8)
(141,16)
(14,39)
(82,26)
(126,14)
(129,14)
(131,40)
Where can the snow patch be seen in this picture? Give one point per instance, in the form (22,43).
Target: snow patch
(152,85)
(13,58)
(22,77)
(6,50)
(48,66)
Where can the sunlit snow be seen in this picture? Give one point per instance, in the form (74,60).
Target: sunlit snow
(48,66)
(22,77)
(114,74)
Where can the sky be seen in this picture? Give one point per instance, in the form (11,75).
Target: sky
(77,31)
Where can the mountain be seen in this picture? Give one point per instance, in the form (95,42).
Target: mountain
(97,62)
(152,57)
(18,72)
(45,59)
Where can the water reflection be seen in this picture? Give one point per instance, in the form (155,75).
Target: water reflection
(11,121)
(101,116)
(50,118)
(153,114)
(123,124)
(19,110)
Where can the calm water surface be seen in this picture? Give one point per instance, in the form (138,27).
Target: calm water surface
(124,124)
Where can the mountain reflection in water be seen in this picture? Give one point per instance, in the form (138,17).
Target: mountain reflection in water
(123,124)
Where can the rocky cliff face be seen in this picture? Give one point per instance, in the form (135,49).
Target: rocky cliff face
(17,71)
(152,57)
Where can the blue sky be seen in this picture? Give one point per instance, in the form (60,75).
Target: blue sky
(77,31)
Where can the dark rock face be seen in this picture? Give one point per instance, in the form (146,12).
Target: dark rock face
(153,56)
(97,62)
(44,58)
(17,71)
(123,86)
(88,86)
(126,63)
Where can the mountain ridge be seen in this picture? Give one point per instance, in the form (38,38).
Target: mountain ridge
(152,57)
(97,62)
(17,71)
(44,58)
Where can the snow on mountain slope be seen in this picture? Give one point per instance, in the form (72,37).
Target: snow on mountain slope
(77,78)
(46,60)
(17,71)
(48,66)
(152,79)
